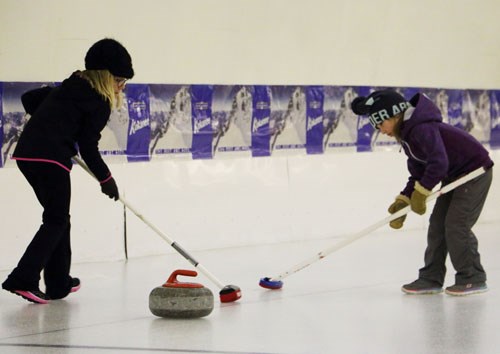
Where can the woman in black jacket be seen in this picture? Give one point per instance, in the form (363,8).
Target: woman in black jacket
(64,120)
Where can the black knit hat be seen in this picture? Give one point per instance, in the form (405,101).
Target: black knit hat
(108,54)
(380,105)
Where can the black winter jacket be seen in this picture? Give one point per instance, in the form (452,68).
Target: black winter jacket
(63,119)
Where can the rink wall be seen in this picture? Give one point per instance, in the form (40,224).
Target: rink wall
(243,200)
(206,204)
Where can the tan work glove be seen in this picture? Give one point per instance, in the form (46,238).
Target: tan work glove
(418,198)
(401,202)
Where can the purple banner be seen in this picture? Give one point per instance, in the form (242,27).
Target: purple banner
(170,119)
(314,123)
(476,110)
(231,118)
(339,122)
(261,135)
(288,118)
(206,121)
(1,122)
(365,130)
(139,131)
(409,92)
(442,100)
(455,109)
(495,118)
(13,115)
(201,107)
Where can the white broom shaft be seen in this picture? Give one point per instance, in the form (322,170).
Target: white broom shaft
(388,219)
(174,244)
(171,242)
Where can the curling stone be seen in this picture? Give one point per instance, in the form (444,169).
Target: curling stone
(180,299)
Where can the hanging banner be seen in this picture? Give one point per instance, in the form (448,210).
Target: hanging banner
(114,137)
(339,122)
(13,116)
(170,119)
(314,124)
(231,118)
(365,132)
(1,125)
(139,131)
(208,121)
(261,130)
(495,118)
(288,118)
(440,99)
(455,109)
(476,111)
(201,108)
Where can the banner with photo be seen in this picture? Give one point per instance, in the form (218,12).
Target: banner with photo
(261,121)
(214,121)
(201,119)
(13,116)
(340,124)
(170,119)
(139,129)
(1,126)
(315,98)
(495,119)
(232,109)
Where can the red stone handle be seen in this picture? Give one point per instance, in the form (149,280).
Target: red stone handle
(172,281)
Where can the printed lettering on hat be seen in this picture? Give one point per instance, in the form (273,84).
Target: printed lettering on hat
(379,116)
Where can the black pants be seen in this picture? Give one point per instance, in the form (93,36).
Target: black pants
(50,249)
(450,231)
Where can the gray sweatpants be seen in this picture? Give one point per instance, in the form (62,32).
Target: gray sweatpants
(450,231)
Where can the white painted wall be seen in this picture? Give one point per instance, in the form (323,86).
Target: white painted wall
(444,43)
(234,202)
(221,203)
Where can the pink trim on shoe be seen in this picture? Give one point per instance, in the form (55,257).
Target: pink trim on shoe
(28,295)
(75,288)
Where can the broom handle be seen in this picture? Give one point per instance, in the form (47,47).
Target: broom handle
(350,239)
(171,242)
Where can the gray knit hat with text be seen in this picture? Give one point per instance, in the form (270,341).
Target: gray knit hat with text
(380,105)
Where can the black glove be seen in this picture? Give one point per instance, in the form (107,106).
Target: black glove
(110,189)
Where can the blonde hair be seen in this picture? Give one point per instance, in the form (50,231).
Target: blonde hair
(103,82)
(397,127)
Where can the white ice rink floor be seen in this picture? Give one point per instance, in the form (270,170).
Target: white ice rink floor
(349,302)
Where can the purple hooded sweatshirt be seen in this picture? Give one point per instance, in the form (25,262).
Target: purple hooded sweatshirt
(437,152)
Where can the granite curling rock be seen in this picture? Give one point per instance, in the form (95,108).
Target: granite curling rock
(176,299)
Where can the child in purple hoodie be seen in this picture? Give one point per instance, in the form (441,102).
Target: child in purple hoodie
(437,153)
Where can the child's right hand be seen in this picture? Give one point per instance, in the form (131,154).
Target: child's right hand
(401,202)
(110,189)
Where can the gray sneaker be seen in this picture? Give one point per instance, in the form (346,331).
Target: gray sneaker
(422,287)
(466,289)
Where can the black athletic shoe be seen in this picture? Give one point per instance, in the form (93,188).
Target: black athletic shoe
(466,289)
(422,287)
(75,285)
(34,295)
(57,295)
